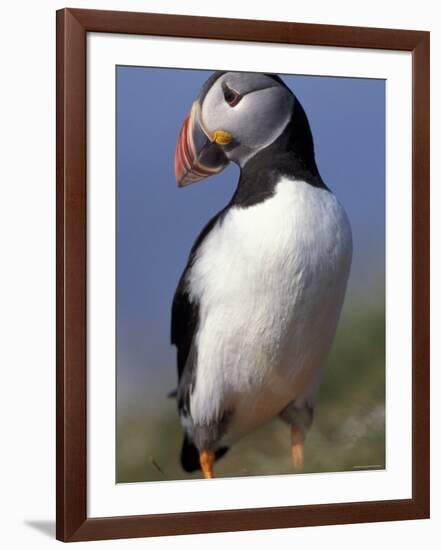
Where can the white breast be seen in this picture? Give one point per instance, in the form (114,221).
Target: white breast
(270,280)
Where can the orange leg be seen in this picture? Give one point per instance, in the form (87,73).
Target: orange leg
(297,447)
(206,460)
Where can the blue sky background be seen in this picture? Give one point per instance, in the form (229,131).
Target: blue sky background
(157,222)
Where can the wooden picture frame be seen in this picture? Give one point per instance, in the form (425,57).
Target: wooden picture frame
(72,522)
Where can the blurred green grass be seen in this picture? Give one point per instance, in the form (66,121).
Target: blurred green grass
(348,431)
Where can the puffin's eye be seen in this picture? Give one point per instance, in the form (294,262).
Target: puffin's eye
(231,96)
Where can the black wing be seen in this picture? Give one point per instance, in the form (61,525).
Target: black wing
(183,323)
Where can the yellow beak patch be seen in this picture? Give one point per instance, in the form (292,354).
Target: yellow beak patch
(222,137)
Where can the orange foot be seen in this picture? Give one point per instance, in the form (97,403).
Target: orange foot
(206,460)
(297,448)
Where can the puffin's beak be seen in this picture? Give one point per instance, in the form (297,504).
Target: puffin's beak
(197,155)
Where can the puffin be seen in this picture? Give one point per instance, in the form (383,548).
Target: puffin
(256,308)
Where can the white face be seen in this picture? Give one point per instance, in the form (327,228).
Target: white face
(252,107)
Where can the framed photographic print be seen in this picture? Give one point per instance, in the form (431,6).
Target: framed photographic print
(250,352)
